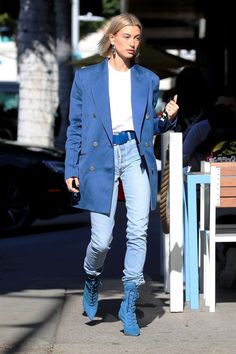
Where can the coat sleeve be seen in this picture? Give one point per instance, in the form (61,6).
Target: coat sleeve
(161,126)
(74,130)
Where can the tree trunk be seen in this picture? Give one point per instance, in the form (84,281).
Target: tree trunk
(38,73)
(63,42)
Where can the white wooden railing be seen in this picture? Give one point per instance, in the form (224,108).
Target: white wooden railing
(173,242)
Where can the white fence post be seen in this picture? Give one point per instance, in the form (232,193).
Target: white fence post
(176,222)
(173,242)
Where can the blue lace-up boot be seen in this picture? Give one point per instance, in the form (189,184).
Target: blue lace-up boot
(127,310)
(90,297)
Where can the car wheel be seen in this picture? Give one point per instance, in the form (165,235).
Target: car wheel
(15,205)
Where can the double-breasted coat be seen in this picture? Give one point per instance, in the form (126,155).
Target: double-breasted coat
(89,147)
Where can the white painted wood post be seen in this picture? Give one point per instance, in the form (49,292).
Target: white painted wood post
(176,222)
(173,242)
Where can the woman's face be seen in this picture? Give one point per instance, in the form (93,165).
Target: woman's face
(126,41)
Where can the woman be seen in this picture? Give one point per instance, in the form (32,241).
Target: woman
(112,122)
(193,98)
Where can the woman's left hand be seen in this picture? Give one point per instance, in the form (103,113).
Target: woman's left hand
(171,108)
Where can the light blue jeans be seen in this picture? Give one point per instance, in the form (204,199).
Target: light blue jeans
(131,170)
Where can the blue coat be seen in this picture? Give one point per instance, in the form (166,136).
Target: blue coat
(89,148)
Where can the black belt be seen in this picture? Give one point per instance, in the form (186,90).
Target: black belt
(122,137)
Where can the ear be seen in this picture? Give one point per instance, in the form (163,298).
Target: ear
(111,38)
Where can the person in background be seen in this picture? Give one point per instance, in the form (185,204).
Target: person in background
(194,98)
(110,137)
(203,137)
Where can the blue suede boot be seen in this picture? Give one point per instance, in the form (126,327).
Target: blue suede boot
(127,310)
(90,297)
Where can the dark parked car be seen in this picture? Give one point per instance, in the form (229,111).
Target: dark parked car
(31,185)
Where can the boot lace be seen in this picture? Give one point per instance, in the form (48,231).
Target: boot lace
(92,286)
(131,307)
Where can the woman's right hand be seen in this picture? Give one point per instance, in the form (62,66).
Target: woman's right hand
(72,184)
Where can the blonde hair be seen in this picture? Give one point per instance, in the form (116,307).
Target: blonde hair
(117,23)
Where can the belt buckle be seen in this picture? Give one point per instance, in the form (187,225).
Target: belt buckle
(123,137)
(129,136)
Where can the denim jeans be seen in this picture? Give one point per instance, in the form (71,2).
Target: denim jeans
(131,169)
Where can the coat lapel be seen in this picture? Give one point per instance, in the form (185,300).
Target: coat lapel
(100,92)
(139,97)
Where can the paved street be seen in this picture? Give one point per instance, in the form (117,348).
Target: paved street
(41,284)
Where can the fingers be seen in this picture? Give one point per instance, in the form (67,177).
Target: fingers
(72,184)
(172,107)
(76,182)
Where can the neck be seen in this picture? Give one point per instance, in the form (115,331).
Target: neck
(120,64)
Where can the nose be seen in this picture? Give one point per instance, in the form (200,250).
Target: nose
(131,42)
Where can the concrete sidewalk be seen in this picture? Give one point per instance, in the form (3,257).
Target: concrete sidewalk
(41,304)
(51,321)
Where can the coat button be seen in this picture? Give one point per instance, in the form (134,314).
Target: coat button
(94,115)
(147,116)
(91,168)
(147,145)
(95,144)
